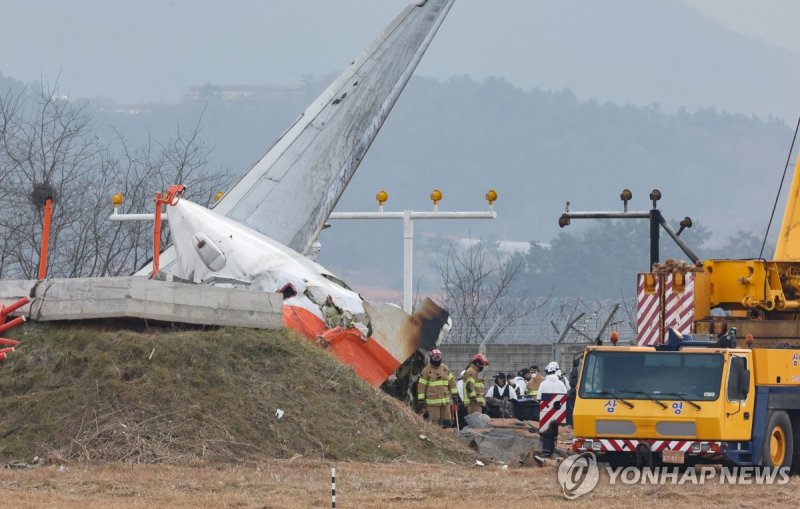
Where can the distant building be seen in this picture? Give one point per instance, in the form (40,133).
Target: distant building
(238,92)
(508,247)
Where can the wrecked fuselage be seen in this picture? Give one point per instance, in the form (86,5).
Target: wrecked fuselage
(373,338)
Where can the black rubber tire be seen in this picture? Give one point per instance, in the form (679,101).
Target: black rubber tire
(620,459)
(796,446)
(644,458)
(778,418)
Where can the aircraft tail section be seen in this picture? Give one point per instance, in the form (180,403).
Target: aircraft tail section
(289,193)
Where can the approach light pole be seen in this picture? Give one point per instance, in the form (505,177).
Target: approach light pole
(408,217)
(654,215)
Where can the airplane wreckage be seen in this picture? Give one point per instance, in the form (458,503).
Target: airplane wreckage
(373,338)
(259,233)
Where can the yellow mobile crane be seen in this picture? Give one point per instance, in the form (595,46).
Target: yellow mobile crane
(727,400)
(760,297)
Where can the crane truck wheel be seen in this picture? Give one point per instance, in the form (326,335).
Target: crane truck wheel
(778,446)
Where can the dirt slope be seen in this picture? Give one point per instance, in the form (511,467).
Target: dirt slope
(82,394)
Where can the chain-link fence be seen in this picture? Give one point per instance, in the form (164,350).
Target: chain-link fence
(553,320)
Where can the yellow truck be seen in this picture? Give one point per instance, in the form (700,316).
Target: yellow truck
(728,400)
(689,402)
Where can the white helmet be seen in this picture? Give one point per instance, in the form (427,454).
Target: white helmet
(552,368)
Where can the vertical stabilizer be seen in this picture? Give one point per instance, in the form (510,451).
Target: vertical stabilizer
(291,190)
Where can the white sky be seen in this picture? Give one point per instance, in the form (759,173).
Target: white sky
(153,50)
(774,21)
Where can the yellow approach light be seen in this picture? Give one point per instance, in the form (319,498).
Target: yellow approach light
(436,196)
(382,197)
(625,196)
(117,200)
(491,197)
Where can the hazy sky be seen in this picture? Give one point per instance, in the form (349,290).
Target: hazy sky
(153,50)
(774,21)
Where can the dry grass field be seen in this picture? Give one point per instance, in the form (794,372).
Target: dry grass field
(304,483)
(155,419)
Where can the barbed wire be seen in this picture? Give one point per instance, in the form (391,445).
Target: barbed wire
(549,321)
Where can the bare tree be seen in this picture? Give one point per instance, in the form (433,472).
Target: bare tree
(48,146)
(140,173)
(46,150)
(478,292)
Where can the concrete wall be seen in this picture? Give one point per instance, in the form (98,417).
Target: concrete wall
(139,297)
(510,358)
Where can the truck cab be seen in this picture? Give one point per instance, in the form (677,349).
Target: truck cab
(689,404)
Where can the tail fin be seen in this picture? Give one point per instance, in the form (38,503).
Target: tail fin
(302,175)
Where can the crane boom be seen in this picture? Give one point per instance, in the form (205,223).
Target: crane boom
(788,246)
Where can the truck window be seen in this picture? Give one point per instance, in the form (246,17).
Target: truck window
(738,365)
(662,375)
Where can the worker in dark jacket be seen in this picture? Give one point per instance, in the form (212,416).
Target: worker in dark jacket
(573,388)
(499,396)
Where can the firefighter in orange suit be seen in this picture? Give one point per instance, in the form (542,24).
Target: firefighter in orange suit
(436,389)
(473,384)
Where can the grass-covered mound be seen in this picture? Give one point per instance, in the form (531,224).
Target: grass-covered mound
(82,394)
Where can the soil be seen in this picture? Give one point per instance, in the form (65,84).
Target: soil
(398,484)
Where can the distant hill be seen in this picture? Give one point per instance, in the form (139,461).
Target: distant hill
(8,83)
(538,149)
(624,51)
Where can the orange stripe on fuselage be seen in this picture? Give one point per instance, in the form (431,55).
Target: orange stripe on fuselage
(303,322)
(368,359)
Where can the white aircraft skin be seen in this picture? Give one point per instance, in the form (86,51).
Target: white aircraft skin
(241,253)
(291,190)
(214,249)
(256,233)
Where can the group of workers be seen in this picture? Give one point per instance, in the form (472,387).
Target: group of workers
(438,391)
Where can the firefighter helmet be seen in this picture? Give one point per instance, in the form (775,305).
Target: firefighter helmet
(480,358)
(552,368)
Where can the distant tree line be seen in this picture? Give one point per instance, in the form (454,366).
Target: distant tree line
(599,261)
(538,149)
